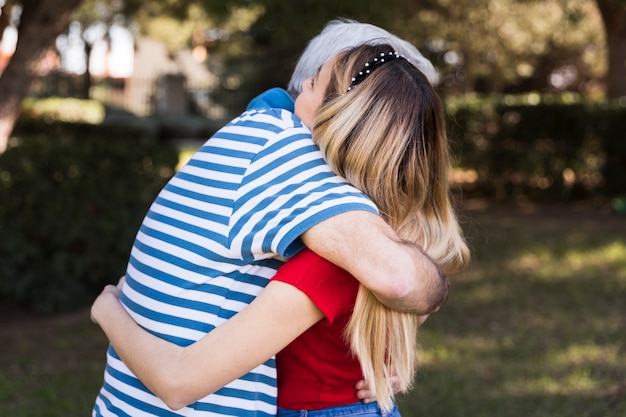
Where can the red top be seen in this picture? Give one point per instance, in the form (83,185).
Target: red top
(317,369)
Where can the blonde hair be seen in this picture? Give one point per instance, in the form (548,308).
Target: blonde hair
(386,136)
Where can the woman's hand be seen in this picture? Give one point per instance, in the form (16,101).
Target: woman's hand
(101,303)
(363,391)
(366,395)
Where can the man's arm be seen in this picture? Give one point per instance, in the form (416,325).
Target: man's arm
(399,274)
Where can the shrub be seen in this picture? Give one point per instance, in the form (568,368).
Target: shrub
(70,208)
(539,147)
(63,110)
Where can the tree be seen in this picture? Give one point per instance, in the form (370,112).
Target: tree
(40,23)
(280,30)
(513,44)
(506,45)
(614,17)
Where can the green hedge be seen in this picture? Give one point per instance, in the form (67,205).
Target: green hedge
(540,147)
(71,200)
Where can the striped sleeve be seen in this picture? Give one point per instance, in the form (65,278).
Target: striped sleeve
(287,189)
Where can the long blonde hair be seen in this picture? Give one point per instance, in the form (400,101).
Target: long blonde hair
(386,136)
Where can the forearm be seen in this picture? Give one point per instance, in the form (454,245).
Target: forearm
(423,291)
(155,361)
(398,273)
(182,375)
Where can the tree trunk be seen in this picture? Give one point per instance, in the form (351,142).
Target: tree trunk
(87,75)
(613,14)
(40,24)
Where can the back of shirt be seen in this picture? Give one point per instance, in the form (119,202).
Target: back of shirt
(210,243)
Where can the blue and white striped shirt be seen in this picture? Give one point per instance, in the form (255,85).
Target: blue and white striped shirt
(210,243)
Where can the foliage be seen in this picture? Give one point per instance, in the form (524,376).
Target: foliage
(58,109)
(548,45)
(613,124)
(54,115)
(539,147)
(71,200)
(523,44)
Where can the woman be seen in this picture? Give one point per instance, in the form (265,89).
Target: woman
(382,130)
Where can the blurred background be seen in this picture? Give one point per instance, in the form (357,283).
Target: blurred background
(102,100)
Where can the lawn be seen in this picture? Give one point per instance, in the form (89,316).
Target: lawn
(536,327)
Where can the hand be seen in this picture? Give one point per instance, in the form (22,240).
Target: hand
(121,282)
(422,319)
(109,292)
(367,396)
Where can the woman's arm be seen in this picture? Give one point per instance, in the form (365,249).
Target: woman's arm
(181,375)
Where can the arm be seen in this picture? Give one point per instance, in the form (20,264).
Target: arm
(400,275)
(181,375)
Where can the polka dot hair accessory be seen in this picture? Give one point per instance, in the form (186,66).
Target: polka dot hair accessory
(370,66)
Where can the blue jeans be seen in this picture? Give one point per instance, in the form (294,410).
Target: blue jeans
(356,409)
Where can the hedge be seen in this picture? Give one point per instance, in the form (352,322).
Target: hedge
(542,148)
(71,201)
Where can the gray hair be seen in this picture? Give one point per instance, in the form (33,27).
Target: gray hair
(342,34)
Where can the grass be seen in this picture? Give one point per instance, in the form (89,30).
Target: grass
(49,366)
(536,327)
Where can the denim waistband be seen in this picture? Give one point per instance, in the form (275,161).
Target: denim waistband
(357,409)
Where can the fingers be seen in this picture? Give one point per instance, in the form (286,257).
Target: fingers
(100,303)
(422,319)
(363,392)
(362,384)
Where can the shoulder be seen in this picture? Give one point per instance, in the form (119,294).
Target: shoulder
(274,120)
(256,130)
(276,98)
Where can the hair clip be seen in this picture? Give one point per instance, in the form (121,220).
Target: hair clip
(370,66)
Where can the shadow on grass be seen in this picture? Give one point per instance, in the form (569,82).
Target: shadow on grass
(536,326)
(49,365)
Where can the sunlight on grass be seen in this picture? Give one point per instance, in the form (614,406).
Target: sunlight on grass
(456,350)
(535,326)
(547,262)
(575,382)
(573,371)
(580,355)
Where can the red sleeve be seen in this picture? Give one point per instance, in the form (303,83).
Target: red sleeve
(332,289)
